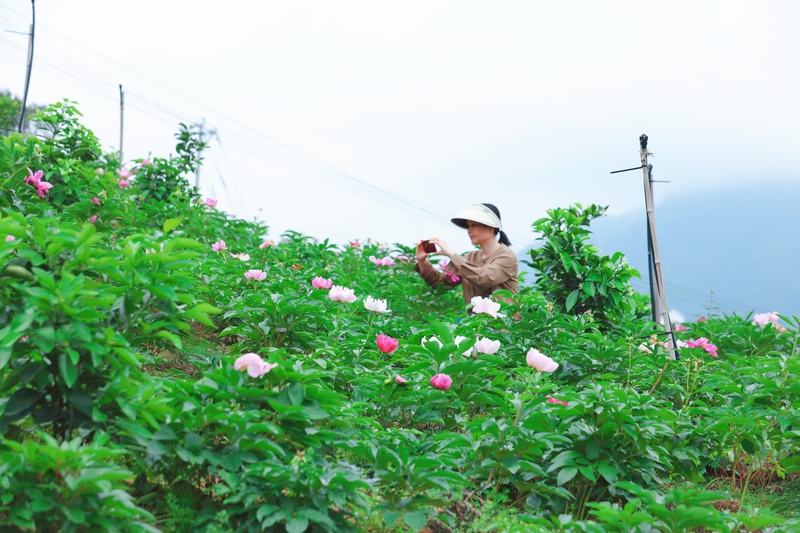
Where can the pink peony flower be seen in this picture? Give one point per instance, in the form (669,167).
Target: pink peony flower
(540,362)
(241,257)
(93,219)
(219,246)
(710,348)
(680,327)
(765,318)
(400,380)
(644,349)
(146,162)
(258,275)
(378,306)
(9,238)
(210,202)
(124,183)
(385,343)
(95,201)
(255,366)
(386,261)
(321,283)
(487,346)
(100,171)
(124,173)
(355,244)
(265,244)
(550,399)
(699,343)
(482,305)
(441,381)
(341,294)
(702,319)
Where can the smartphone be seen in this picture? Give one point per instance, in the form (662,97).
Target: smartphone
(428,247)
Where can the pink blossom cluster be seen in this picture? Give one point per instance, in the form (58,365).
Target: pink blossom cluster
(386,261)
(703,343)
(253,364)
(763,319)
(36,180)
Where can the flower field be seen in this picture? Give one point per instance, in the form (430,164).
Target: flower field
(166,367)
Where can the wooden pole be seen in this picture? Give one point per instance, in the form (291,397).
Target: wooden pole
(656,259)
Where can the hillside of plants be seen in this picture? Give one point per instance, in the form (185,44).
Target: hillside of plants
(167,367)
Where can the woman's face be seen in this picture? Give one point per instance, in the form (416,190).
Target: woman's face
(479,233)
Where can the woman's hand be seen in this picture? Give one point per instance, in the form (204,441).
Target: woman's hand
(443,248)
(422,255)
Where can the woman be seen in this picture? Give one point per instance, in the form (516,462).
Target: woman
(480,272)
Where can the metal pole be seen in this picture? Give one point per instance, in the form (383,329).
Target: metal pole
(121,120)
(30,67)
(656,260)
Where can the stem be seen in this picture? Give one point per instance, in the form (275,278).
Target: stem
(630,358)
(659,377)
(533,377)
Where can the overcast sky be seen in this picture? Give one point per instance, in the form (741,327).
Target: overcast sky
(525,104)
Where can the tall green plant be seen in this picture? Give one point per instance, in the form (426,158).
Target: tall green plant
(571,272)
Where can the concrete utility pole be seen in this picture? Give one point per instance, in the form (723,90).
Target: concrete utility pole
(205,136)
(658,294)
(30,67)
(121,120)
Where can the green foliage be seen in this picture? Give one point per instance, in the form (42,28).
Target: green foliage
(47,486)
(570,272)
(119,341)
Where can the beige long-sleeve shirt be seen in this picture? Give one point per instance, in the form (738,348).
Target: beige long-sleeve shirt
(479,276)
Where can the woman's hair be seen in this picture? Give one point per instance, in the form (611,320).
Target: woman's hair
(503,237)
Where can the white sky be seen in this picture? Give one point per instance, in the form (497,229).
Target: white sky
(525,104)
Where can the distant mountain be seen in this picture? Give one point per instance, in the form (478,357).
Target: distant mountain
(741,243)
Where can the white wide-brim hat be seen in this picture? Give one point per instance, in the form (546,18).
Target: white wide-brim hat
(477,213)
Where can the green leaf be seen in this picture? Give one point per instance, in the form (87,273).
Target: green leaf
(565,474)
(572,299)
(608,472)
(68,369)
(171,337)
(171,224)
(416,520)
(296,524)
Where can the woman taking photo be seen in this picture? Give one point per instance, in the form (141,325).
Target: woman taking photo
(480,272)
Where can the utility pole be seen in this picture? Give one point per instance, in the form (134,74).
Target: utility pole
(205,136)
(30,67)
(121,120)
(658,297)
